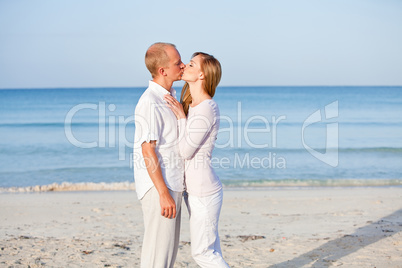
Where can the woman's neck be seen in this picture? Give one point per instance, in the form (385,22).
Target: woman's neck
(198,94)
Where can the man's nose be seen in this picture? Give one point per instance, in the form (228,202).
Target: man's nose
(183,65)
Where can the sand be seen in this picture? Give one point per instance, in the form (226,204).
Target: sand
(271,227)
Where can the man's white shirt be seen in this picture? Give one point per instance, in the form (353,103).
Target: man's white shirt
(155,121)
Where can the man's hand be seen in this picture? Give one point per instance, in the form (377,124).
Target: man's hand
(168,206)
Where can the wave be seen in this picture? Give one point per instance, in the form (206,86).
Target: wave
(373,149)
(56,124)
(257,124)
(72,187)
(341,150)
(314,183)
(220,152)
(228,184)
(254,124)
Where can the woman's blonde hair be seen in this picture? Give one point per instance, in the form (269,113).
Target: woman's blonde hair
(211,68)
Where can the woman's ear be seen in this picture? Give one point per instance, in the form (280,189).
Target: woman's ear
(201,76)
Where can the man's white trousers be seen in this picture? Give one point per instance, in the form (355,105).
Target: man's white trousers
(162,235)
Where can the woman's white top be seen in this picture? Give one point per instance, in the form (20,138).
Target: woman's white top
(197,136)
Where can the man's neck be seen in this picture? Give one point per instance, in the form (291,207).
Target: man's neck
(163,83)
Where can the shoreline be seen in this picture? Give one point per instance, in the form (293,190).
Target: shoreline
(277,227)
(264,185)
(225,188)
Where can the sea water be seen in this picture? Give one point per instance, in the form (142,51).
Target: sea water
(269,136)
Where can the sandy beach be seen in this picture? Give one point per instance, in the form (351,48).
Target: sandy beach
(270,227)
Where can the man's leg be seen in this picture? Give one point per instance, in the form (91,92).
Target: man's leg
(162,235)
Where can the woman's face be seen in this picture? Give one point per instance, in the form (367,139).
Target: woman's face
(192,71)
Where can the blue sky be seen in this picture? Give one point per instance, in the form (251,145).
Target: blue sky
(85,43)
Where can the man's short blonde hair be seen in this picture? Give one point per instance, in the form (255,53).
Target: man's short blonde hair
(157,57)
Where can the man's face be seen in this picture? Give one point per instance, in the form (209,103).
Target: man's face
(175,68)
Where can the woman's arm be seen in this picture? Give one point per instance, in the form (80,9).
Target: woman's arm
(192,132)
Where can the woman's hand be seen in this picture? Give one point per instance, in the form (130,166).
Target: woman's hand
(175,106)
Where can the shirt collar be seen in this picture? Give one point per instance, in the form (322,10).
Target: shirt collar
(161,91)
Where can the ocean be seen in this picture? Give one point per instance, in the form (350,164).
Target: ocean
(269,136)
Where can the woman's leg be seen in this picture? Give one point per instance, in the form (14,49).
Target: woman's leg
(204,216)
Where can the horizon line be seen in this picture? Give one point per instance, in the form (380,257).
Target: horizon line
(106,87)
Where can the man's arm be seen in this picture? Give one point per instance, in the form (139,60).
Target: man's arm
(168,206)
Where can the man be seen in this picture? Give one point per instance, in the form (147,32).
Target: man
(158,168)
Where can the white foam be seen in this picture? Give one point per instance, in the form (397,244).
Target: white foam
(317,183)
(71,187)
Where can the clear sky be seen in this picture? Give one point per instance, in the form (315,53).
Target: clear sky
(99,43)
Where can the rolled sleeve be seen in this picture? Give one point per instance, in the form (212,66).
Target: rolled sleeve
(147,123)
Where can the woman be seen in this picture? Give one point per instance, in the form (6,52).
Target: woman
(198,117)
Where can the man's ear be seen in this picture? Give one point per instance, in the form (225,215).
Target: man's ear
(161,71)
